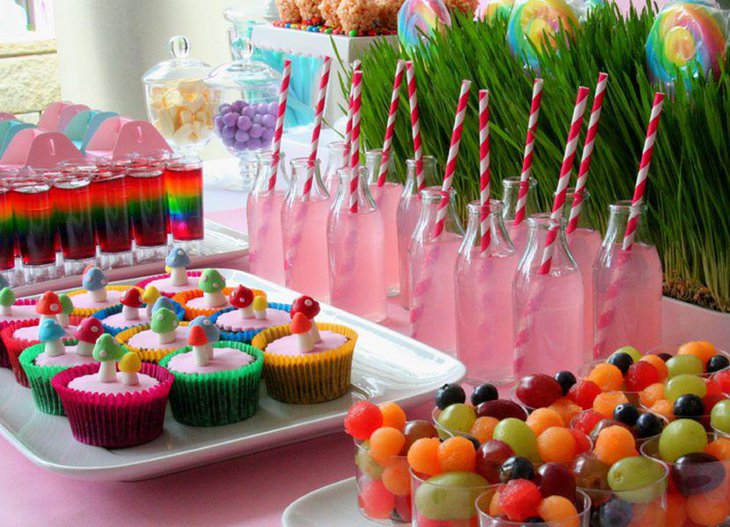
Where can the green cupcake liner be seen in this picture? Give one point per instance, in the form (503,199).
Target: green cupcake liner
(39,378)
(220,398)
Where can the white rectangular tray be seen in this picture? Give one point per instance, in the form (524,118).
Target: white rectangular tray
(387,367)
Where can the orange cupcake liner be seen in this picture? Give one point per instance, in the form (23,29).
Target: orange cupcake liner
(191,312)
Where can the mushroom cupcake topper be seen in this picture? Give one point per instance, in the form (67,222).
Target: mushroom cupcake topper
(7,299)
(177,260)
(131,301)
(164,323)
(129,367)
(87,333)
(67,307)
(107,351)
(149,297)
(95,282)
(161,302)
(49,306)
(301,326)
(309,307)
(211,330)
(50,333)
(242,299)
(260,305)
(212,284)
(201,346)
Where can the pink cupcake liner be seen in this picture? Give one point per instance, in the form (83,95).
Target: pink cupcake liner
(142,284)
(4,360)
(114,420)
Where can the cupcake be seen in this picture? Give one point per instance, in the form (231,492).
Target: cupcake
(210,298)
(53,355)
(133,312)
(153,341)
(96,293)
(114,409)
(216,383)
(249,314)
(306,363)
(12,310)
(179,278)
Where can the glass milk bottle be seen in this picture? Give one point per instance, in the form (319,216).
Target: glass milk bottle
(263,216)
(409,209)
(548,307)
(432,261)
(628,287)
(304,231)
(510,196)
(484,299)
(387,197)
(355,235)
(336,159)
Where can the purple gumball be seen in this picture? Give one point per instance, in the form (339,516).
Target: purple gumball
(253,144)
(242,137)
(240,146)
(230,119)
(273,108)
(248,112)
(228,141)
(257,119)
(224,108)
(237,105)
(267,136)
(243,123)
(218,120)
(269,121)
(228,132)
(256,131)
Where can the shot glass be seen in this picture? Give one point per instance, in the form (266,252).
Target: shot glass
(484,501)
(147,206)
(7,238)
(111,217)
(383,487)
(184,188)
(446,500)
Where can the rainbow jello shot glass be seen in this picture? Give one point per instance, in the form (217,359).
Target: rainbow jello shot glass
(147,205)
(184,187)
(7,235)
(110,214)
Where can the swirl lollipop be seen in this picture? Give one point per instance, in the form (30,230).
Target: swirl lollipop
(419,18)
(534,24)
(684,40)
(489,10)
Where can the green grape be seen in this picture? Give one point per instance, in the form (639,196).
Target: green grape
(684,383)
(459,417)
(367,464)
(637,479)
(685,364)
(450,496)
(682,437)
(629,350)
(519,436)
(720,416)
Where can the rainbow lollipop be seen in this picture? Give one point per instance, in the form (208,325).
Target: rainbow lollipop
(684,40)
(536,23)
(419,18)
(489,10)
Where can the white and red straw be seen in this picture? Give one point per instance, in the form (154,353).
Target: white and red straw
(390,126)
(356,65)
(280,117)
(484,176)
(355,146)
(317,130)
(566,168)
(415,125)
(529,148)
(452,158)
(585,162)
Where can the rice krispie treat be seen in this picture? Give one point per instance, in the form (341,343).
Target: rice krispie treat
(309,9)
(288,11)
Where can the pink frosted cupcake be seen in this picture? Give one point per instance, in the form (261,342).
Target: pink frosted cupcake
(96,294)
(11,311)
(161,337)
(114,409)
(249,314)
(179,278)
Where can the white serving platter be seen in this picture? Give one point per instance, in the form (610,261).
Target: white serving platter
(387,366)
(327,506)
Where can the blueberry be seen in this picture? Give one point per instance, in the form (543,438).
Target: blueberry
(622,361)
(689,405)
(566,380)
(664,356)
(484,393)
(648,425)
(449,394)
(616,513)
(516,467)
(626,413)
(474,441)
(717,363)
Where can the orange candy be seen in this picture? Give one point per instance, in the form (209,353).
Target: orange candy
(606,403)
(542,419)
(556,445)
(709,508)
(393,415)
(397,479)
(495,509)
(659,364)
(566,408)
(664,408)
(457,454)
(607,376)
(483,428)
(701,349)
(651,394)
(385,443)
(558,510)
(423,456)
(613,444)
(720,448)
(648,514)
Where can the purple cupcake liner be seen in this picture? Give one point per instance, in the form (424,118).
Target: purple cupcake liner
(143,283)
(4,360)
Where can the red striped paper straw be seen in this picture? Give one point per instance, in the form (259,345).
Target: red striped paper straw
(356,65)
(317,130)
(390,126)
(484,176)
(566,168)
(585,161)
(415,125)
(280,117)
(641,178)
(355,146)
(452,158)
(529,148)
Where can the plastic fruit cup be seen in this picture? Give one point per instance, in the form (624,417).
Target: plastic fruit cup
(383,487)
(639,440)
(445,432)
(701,493)
(719,433)
(582,519)
(672,349)
(446,500)
(704,420)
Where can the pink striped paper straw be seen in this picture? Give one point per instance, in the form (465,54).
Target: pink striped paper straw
(585,161)
(529,148)
(318,116)
(415,125)
(390,126)
(355,146)
(570,147)
(452,158)
(356,65)
(279,130)
(484,176)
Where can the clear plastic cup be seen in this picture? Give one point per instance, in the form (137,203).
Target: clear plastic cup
(582,519)
(383,487)
(446,500)
(593,434)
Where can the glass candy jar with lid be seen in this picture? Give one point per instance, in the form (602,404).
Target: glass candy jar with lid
(179,103)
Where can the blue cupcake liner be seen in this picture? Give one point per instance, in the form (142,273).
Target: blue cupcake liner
(113,310)
(244,336)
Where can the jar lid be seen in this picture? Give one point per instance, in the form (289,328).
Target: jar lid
(179,67)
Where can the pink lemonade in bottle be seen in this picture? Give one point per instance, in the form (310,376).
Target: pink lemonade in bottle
(409,210)
(337,158)
(263,216)
(628,294)
(510,195)
(387,197)
(355,241)
(304,232)
(548,308)
(484,300)
(432,265)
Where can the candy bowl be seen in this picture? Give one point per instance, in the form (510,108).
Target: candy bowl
(383,486)
(561,511)
(446,500)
